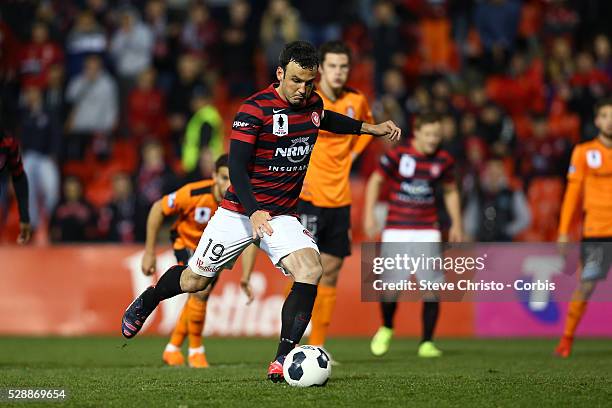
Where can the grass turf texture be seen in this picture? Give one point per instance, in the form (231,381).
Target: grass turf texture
(100,371)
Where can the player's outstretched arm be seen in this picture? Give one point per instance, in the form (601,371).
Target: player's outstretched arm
(340,124)
(372,192)
(239,157)
(154,223)
(249,255)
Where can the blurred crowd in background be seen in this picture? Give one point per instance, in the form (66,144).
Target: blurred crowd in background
(116,103)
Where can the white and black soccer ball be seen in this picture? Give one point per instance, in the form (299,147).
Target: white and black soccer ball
(306,366)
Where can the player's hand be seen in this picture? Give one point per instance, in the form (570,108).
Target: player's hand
(386,129)
(370,228)
(245,285)
(25,233)
(455,233)
(563,244)
(149,263)
(260,224)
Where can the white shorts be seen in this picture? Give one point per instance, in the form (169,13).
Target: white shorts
(427,244)
(228,233)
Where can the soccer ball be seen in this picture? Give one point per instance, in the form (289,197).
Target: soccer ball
(306,366)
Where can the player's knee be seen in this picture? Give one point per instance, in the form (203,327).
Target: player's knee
(309,272)
(330,277)
(203,295)
(192,282)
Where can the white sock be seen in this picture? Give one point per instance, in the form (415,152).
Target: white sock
(172,347)
(197,350)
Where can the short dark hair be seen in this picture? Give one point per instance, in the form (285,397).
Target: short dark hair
(601,103)
(302,53)
(221,161)
(334,47)
(425,118)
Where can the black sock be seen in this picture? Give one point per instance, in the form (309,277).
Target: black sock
(430,318)
(388,312)
(168,285)
(295,316)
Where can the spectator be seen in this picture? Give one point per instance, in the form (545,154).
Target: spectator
(74,218)
(588,85)
(54,95)
(154,177)
(93,96)
(238,42)
(200,34)
(131,47)
(41,143)
(280,24)
(497,23)
(542,155)
(179,96)
(117,221)
(497,130)
(320,20)
(38,56)
(603,55)
(205,169)
(85,38)
(157,19)
(385,30)
(204,130)
(147,108)
(497,213)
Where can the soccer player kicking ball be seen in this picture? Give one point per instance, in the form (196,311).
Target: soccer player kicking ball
(325,201)
(589,182)
(193,204)
(272,138)
(413,172)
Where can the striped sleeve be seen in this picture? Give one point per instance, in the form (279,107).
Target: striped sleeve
(388,163)
(247,122)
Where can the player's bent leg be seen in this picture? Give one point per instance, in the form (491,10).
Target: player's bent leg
(305,267)
(326,299)
(178,279)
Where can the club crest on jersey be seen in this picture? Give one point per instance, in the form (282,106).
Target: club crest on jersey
(350,112)
(593,158)
(316,120)
(280,125)
(435,170)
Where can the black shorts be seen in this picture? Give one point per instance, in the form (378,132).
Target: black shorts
(182,255)
(596,258)
(331,227)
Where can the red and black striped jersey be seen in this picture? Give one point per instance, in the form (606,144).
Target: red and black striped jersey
(10,156)
(412,179)
(284,137)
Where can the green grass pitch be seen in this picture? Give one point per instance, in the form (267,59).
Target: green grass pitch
(101,371)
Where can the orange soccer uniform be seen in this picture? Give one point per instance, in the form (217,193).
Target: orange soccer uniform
(194,204)
(589,182)
(327,185)
(327,181)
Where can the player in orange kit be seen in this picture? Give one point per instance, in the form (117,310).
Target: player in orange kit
(589,182)
(194,204)
(325,201)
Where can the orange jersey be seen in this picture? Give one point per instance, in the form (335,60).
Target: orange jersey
(327,179)
(589,180)
(194,203)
